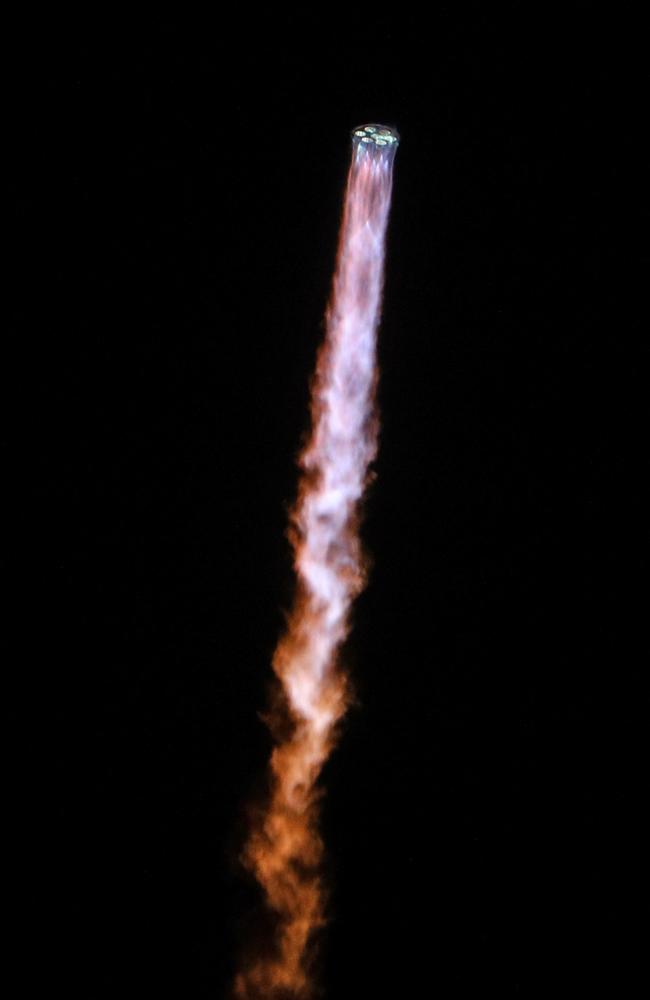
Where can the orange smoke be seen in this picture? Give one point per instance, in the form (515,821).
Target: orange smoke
(284,849)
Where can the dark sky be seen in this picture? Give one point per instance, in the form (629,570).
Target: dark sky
(483,810)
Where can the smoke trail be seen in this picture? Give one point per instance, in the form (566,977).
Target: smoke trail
(285,849)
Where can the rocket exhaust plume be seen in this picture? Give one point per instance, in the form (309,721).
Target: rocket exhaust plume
(284,850)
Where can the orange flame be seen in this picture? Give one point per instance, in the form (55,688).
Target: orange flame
(285,849)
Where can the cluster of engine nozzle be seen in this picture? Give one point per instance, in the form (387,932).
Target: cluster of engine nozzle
(379,135)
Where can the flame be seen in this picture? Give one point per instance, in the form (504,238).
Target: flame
(284,849)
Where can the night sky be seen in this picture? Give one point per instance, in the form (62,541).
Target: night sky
(482,815)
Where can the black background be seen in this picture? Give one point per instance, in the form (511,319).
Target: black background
(178,234)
